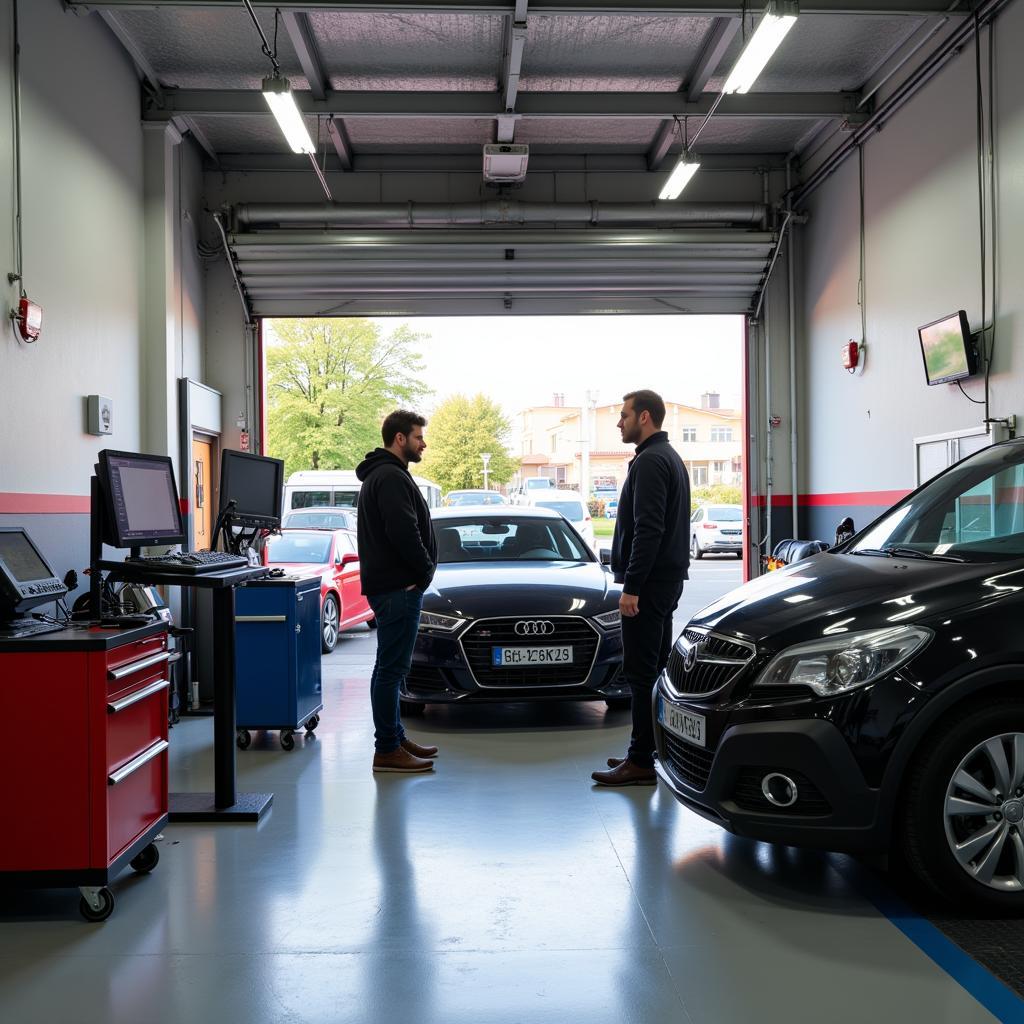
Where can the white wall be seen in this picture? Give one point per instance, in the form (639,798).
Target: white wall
(922,245)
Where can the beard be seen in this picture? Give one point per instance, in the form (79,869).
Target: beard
(412,452)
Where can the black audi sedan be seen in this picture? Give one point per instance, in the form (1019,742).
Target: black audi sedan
(520,609)
(871,698)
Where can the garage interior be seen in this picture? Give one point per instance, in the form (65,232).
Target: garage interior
(867,184)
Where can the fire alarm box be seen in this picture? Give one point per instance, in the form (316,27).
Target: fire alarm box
(29,319)
(851,355)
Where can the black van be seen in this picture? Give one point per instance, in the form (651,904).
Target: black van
(871,698)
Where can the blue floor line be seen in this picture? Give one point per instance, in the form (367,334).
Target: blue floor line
(1001,1001)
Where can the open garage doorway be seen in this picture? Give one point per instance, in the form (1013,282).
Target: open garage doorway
(518,406)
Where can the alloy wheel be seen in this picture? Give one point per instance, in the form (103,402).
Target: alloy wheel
(330,623)
(984,813)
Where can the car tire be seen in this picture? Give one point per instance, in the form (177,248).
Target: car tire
(956,767)
(619,703)
(695,551)
(329,618)
(411,708)
(739,555)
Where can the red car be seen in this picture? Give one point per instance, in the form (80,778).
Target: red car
(332,554)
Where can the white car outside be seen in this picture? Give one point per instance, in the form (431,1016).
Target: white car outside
(716,528)
(571,505)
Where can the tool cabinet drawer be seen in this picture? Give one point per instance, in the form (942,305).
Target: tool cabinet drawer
(136,796)
(136,720)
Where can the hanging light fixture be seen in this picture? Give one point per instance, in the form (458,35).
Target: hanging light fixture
(686,167)
(778,18)
(278,93)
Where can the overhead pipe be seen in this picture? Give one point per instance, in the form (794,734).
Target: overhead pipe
(793,441)
(496,287)
(496,211)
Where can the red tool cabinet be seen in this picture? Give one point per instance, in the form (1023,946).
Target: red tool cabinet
(79,808)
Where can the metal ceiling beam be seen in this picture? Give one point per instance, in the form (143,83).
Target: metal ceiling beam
(140,60)
(661,145)
(512,64)
(300,32)
(250,102)
(722,33)
(339,138)
(658,8)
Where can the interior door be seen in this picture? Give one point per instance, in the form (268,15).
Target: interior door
(202,494)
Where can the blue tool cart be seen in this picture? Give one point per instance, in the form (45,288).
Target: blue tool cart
(277,643)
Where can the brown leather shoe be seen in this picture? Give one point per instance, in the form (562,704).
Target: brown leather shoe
(614,762)
(401,760)
(417,749)
(626,774)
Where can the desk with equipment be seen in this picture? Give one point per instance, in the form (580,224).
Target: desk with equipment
(79,815)
(134,505)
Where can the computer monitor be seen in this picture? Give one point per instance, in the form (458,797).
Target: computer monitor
(140,498)
(25,578)
(255,483)
(947,349)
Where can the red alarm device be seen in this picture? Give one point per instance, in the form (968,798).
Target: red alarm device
(29,319)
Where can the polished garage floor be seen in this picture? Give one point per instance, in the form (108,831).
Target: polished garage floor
(502,888)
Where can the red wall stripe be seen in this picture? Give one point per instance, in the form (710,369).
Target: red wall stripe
(882,499)
(43,504)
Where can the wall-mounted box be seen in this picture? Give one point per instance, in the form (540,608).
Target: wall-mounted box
(101,415)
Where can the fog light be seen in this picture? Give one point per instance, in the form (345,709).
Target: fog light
(779,790)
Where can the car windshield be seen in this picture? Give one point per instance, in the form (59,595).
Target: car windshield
(506,539)
(299,547)
(318,521)
(724,515)
(973,512)
(572,510)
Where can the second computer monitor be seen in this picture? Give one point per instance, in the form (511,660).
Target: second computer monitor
(141,500)
(255,484)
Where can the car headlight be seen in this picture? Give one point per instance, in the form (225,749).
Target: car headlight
(844,662)
(441,623)
(609,620)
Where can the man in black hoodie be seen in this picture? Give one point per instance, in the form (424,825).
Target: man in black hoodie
(397,558)
(650,558)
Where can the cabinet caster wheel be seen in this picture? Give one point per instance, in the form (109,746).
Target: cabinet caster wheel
(287,739)
(313,722)
(96,904)
(146,860)
(243,739)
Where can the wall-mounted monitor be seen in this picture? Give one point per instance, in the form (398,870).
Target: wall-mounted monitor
(141,500)
(947,349)
(255,483)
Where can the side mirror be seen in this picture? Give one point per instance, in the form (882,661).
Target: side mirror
(349,559)
(605,555)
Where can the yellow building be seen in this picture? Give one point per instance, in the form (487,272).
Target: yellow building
(554,439)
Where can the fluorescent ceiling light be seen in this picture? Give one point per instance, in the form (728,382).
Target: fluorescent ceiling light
(777,20)
(278,94)
(683,171)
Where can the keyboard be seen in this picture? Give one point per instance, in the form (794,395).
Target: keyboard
(189,563)
(14,629)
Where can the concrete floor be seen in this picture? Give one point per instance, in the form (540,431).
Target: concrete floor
(502,888)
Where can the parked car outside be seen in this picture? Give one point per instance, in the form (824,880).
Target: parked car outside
(869,698)
(331,555)
(474,497)
(324,518)
(611,508)
(571,505)
(530,486)
(519,609)
(716,528)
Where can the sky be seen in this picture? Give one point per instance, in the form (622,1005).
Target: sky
(522,361)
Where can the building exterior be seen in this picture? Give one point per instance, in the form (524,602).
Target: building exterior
(556,440)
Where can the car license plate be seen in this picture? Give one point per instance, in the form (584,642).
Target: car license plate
(732,533)
(510,657)
(686,726)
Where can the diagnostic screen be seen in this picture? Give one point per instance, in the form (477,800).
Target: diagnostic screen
(21,559)
(254,483)
(945,350)
(144,498)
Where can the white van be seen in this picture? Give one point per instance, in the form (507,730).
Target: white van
(571,505)
(315,488)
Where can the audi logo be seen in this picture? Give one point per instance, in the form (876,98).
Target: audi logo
(534,627)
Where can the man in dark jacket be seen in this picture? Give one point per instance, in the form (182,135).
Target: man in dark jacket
(397,558)
(650,558)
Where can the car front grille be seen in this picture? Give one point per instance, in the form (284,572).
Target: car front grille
(568,630)
(719,661)
(692,764)
(422,679)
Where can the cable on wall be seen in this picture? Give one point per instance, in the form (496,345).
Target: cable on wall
(862,287)
(17,275)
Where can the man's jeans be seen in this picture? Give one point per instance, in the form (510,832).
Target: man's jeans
(398,619)
(646,644)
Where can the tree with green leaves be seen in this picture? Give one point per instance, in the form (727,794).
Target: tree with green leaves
(459,432)
(330,382)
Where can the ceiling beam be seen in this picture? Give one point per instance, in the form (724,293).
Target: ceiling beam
(249,102)
(661,145)
(300,32)
(656,8)
(339,137)
(515,43)
(722,33)
(146,71)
